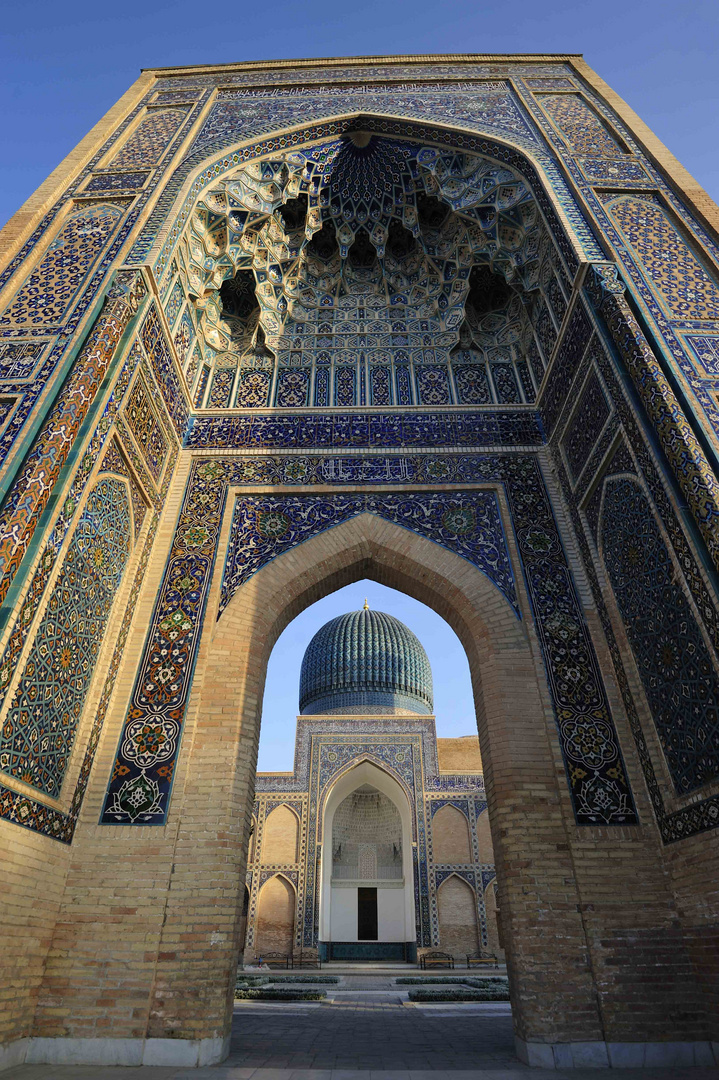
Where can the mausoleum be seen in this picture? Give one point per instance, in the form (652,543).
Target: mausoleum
(378,845)
(449,323)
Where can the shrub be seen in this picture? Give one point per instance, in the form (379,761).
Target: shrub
(497,984)
(251,980)
(272,994)
(449,980)
(305,979)
(459,993)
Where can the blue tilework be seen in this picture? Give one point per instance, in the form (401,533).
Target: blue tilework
(468,524)
(366,429)
(595,771)
(39,729)
(679,676)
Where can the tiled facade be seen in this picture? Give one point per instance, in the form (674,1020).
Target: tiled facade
(327,748)
(322,319)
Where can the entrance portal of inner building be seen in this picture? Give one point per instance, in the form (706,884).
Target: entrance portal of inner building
(371,879)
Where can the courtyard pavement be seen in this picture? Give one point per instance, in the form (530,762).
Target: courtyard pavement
(363,1037)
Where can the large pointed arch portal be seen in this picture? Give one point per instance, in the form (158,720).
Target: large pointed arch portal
(447,322)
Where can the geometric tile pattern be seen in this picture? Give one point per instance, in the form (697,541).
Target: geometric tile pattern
(697,479)
(164,369)
(673,269)
(382,430)
(569,355)
(112,182)
(53,283)
(114,462)
(680,678)
(148,744)
(174,303)
(39,729)
(706,349)
(147,143)
(586,426)
(145,427)
(701,814)
(34,483)
(603,171)
(579,124)
(6,407)
(38,816)
(19,359)
(49,554)
(468,524)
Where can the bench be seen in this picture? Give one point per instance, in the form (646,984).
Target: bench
(275,959)
(436,959)
(478,960)
(307,960)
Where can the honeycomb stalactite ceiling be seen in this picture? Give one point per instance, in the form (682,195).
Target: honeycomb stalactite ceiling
(365,271)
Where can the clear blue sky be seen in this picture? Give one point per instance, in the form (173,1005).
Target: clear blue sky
(453,700)
(63,65)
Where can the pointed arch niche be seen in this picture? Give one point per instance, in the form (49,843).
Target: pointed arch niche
(280,836)
(275,916)
(450,836)
(381,862)
(457,909)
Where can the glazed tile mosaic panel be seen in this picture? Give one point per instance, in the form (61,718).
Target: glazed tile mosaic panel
(438,275)
(264,528)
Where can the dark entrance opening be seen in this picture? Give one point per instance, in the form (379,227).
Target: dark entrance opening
(366,914)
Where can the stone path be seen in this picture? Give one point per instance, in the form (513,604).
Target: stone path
(369,1041)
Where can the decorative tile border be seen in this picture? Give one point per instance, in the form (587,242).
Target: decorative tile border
(139,793)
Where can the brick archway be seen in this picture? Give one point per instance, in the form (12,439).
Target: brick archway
(526,790)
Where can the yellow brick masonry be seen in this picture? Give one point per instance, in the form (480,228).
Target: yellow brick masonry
(148,931)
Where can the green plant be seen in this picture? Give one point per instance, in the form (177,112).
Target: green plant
(459,993)
(272,994)
(502,982)
(305,979)
(451,980)
(251,980)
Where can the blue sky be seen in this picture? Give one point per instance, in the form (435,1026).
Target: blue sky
(453,700)
(63,65)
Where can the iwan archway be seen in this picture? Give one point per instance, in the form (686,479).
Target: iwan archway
(298,328)
(367,906)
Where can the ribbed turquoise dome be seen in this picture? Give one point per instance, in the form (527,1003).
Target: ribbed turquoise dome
(365,661)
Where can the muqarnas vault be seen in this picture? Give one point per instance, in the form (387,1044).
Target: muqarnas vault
(451,323)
